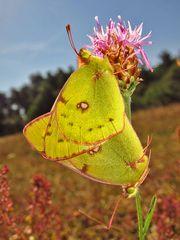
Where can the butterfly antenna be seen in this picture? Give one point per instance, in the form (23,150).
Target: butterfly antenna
(68,29)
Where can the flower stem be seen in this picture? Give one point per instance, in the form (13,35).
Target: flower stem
(143,225)
(139,216)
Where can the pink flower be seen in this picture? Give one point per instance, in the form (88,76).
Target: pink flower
(118,36)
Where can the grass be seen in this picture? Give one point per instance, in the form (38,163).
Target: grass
(72,192)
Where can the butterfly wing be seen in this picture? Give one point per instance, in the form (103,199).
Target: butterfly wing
(44,135)
(35,131)
(56,146)
(90,108)
(119,161)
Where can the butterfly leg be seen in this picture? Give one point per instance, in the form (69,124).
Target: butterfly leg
(100,223)
(109,225)
(113,213)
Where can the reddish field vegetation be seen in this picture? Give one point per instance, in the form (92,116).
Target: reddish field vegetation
(40,199)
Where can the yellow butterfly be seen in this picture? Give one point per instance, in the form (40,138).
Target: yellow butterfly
(88,111)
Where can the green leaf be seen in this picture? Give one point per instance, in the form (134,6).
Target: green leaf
(149,215)
(139,215)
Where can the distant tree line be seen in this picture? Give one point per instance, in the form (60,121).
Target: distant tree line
(160,87)
(35,98)
(30,101)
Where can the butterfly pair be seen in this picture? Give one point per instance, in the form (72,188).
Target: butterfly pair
(87,129)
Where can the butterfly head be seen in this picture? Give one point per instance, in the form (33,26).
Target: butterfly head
(86,57)
(84,54)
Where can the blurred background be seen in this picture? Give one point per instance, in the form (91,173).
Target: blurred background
(35,61)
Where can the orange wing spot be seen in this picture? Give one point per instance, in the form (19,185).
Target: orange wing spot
(133,165)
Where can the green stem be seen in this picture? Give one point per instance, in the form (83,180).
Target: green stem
(139,216)
(127,103)
(143,226)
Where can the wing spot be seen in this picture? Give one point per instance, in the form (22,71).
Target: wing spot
(95,150)
(70,123)
(48,133)
(100,126)
(62,99)
(60,140)
(63,115)
(49,125)
(132,165)
(97,75)
(111,119)
(90,129)
(84,168)
(83,106)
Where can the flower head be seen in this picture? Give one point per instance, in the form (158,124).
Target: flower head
(118,35)
(123,45)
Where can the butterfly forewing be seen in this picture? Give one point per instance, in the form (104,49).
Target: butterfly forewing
(90,108)
(44,134)
(35,131)
(56,146)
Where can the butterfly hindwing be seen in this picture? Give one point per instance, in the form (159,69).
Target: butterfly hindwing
(119,161)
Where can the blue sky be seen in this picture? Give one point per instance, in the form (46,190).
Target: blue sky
(33,36)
